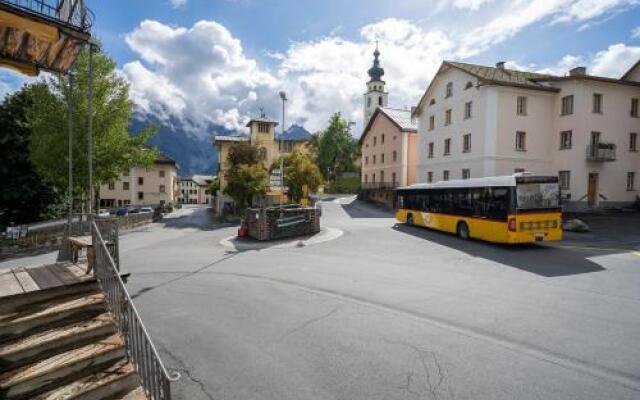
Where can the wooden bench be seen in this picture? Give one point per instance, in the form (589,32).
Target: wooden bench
(77,244)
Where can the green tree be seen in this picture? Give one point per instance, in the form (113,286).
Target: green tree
(336,148)
(244,153)
(114,149)
(24,196)
(214,185)
(246,182)
(299,170)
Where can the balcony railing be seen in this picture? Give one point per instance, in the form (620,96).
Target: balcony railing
(601,152)
(380,185)
(73,13)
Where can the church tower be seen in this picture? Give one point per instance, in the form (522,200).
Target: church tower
(375,96)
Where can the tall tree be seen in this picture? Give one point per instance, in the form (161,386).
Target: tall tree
(299,171)
(24,196)
(336,148)
(246,177)
(114,149)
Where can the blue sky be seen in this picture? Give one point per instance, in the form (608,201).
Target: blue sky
(220,60)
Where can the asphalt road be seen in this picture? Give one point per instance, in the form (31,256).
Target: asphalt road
(386,312)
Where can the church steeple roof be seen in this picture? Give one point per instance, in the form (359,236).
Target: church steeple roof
(376,71)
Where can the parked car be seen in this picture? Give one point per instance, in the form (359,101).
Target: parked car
(122,212)
(113,211)
(146,210)
(134,211)
(101,213)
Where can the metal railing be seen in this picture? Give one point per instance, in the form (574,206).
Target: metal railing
(155,379)
(380,185)
(601,152)
(73,13)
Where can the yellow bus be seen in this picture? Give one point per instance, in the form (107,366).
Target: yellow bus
(519,208)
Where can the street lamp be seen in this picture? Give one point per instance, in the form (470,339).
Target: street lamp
(283,97)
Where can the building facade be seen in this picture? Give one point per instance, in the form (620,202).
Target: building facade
(476,121)
(388,154)
(262,134)
(143,186)
(194,189)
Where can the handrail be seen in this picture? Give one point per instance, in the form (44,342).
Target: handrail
(72,13)
(140,350)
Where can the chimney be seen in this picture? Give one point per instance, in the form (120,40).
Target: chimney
(500,65)
(578,71)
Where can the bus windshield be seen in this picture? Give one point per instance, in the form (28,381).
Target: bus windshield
(537,195)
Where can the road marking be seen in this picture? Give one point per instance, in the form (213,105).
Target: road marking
(632,251)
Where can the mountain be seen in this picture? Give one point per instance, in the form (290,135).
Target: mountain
(195,153)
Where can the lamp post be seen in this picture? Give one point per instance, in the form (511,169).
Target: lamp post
(90,128)
(283,96)
(70,161)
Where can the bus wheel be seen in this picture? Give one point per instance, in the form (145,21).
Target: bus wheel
(410,220)
(463,230)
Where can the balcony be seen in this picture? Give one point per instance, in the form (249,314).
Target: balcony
(70,13)
(379,185)
(601,152)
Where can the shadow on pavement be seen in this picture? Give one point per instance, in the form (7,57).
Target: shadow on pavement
(360,209)
(537,259)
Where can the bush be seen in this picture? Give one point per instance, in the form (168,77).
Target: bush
(344,186)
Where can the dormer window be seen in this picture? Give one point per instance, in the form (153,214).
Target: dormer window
(469,85)
(449,92)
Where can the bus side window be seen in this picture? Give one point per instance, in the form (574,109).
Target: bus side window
(400,201)
(499,203)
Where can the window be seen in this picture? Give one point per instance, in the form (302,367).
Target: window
(140,196)
(373,177)
(161,173)
(449,92)
(161,189)
(466,173)
(381,176)
(112,186)
(263,127)
(375,140)
(634,108)
(565,140)
(633,141)
(518,170)
(368,102)
(521,105)
(374,158)
(125,185)
(447,117)
(432,102)
(382,139)
(393,177)
(429,177)
(394,155)
(430,150)
(379,100)
(466,143)
(432,122)
(597,103)
(140,180)
(521,141)
(382,158)
(467,110)
(366,160)
(447,147)
(565,179)
(469,85)
(567,105)
(631,177)
(366,178)
(445,175)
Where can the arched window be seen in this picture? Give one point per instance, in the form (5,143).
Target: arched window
(379,100)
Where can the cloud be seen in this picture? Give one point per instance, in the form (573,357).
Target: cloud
(178,3)
(635,33)
(470,4)
(615,60)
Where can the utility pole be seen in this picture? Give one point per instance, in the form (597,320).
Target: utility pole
(90,129)
(283,96)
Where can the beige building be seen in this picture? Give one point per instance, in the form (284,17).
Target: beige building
(263,135)
(476,121)
(388,160)
(194,189)
(142,186)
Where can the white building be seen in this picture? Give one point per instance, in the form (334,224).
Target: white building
(476,121)
(143,186)
(375,96)
(194,189)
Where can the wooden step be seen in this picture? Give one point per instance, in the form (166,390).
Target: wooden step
(137,394)
(44,344)
(39,316)
(38,295)
(113,382)
(33,379)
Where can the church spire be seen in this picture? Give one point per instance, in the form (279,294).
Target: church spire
(376,72)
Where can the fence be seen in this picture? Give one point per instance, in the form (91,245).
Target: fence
(141,352)
(69,12)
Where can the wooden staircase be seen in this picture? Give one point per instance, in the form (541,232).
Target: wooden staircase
(62,344)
